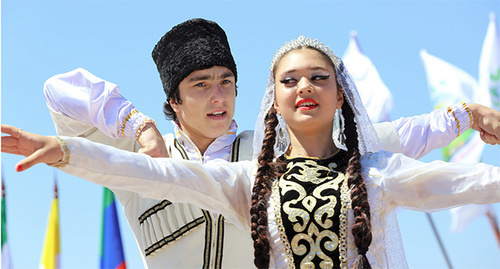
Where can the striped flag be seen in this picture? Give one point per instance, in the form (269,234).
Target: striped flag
(6,260)
(374,94)
(111,241)
(51,250)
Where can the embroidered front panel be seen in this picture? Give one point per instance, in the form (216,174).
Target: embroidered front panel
(311,208)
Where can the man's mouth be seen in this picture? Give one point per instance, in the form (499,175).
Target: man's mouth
(217,113)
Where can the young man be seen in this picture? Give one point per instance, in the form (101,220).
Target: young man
(199,77)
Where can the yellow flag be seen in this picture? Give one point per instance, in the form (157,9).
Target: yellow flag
(51,250)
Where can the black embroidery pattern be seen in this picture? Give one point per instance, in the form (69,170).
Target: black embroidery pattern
(310,209)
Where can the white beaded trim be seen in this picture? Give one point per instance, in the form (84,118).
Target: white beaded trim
(302,41)
(64,147)
(344,213)
(279,224)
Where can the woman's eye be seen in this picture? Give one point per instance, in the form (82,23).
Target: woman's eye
(287,81)
(320,77)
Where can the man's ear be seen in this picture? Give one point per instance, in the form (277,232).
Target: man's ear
(174,105)
(340,98)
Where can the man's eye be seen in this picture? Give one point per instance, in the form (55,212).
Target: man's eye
(320,77)
(226,81)
(287,81)
(201,84)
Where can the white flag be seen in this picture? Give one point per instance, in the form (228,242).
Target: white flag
(448,84)
(488,95)
(462,216)
(373,92)
(489,67)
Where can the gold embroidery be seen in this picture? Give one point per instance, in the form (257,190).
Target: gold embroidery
(458,122)
(308,173)
(293,213)
(139,130)
(331,244)
(329,208)
(126,119)
(315,239)
(468,112)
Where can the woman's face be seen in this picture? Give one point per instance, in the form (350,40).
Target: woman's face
(306,93)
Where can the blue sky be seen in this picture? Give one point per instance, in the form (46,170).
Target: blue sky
(114,40)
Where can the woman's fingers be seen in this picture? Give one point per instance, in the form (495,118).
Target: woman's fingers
(11,130)
(36,148)
(29,161)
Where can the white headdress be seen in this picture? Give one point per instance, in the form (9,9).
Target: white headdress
(368,138)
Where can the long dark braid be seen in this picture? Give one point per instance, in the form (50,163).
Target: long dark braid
(261,191)
(361,229)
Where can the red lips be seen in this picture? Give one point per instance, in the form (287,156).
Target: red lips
(306,104)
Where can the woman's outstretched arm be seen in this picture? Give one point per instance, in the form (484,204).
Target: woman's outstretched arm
(220,186)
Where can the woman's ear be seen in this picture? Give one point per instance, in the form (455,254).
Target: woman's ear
(276,107)
(340,97)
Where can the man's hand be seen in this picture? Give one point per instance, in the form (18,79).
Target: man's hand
(152,142)
(487,123)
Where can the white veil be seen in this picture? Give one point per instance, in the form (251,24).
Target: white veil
(368,138)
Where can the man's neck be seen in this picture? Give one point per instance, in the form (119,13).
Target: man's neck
(200,140)
(202,144)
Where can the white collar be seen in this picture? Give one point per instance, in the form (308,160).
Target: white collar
(220,148)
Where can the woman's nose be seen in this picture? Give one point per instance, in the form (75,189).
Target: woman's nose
(304,86)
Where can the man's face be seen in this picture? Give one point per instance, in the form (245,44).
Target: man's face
(207,103)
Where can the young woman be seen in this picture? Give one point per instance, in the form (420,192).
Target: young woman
(320,194)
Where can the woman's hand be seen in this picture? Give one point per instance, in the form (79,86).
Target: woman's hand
(36,148)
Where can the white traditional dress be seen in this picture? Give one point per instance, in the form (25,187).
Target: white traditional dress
(392,180)
(86,106)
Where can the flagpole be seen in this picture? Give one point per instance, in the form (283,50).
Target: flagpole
(494,225)
(55,183)
(438,238)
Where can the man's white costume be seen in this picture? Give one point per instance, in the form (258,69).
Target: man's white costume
(78,98)
(180,235)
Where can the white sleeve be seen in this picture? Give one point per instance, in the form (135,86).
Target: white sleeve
(437,185)
(421,134)
(94,102)
(218,186)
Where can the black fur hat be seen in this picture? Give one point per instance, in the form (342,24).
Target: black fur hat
(195,44)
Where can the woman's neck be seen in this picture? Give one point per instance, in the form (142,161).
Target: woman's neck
(318,145)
